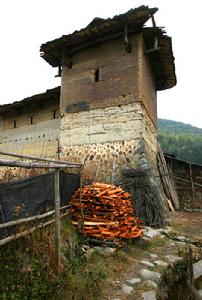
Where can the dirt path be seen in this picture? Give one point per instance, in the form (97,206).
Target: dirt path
(146,255)
(188,223)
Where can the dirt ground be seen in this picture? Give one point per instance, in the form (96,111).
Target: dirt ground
(188,224)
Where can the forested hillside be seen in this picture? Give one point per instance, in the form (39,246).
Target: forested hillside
(182,140)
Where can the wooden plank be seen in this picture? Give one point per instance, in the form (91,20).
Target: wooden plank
(88,223)
(187,181)
(57,220)
(166,180)
(170,205)
(191,177)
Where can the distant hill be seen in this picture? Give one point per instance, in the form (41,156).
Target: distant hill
(182,140)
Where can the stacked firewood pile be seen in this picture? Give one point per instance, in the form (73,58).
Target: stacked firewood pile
(104,211)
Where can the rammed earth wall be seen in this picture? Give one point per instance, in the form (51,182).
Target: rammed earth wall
(38,139)
(108,108)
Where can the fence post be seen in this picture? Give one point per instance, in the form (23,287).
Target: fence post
(57,220)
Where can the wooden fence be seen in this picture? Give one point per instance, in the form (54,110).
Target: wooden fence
(58,212)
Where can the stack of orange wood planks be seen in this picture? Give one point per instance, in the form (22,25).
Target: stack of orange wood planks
(104,211)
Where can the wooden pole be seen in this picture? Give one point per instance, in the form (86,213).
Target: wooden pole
(40,158)
(187,181)
(28,231)
(169,188)
(22,164)
(29,219)
(57,220)
(191,177)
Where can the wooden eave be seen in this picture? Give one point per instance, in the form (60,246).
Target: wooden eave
(161,59)
(96,32)
(181,161)
(39,98)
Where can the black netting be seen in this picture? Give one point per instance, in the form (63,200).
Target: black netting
(33,196)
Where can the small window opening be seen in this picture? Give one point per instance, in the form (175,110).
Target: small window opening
(14,124)
(31,120)
(97,75)
(1,122)
(54,113)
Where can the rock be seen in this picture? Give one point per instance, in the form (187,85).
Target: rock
(150,275)
(197,269)
(105,250)
(180,243)
(161,263)
(142,161)
(86,247)
(151,295)
(143,242)
(166,230)
(147,263)
(173,258)
(134,280)
(153,255)
(151,233)
(152,284)
(168,222)
(182,238)
(126,289)
(88,252)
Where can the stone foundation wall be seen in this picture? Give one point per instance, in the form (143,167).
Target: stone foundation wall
(107,140)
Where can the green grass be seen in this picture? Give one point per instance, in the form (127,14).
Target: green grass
(23,276)
(86,277)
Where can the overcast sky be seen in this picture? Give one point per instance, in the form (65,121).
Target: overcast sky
(26,24)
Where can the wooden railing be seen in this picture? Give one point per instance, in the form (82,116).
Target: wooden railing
(44,163)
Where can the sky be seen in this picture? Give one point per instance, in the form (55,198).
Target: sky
(25,25)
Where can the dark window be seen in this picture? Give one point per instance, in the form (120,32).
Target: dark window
(97,75)
(31,120)
(1,122)
(14,124)
(55,114)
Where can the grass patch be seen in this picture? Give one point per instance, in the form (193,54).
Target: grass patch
(28,271)
(158,242)
(87,277)
(23,274)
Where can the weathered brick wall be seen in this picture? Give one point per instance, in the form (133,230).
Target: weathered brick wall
(148,94)
(118,77)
